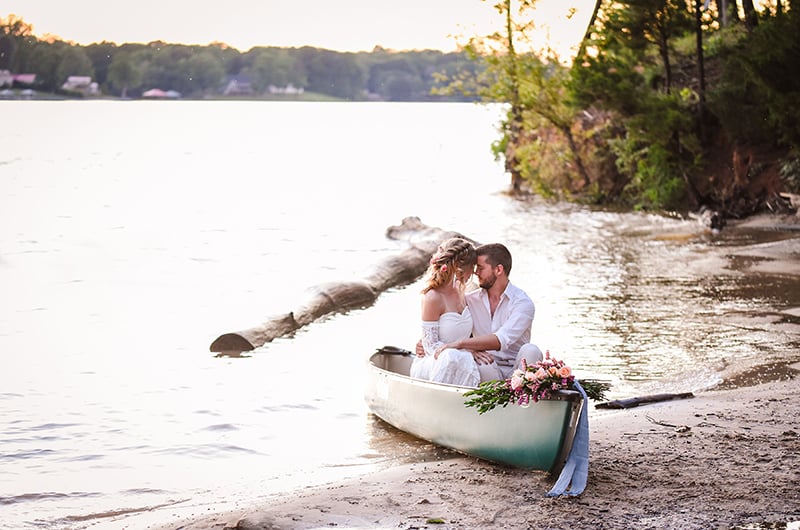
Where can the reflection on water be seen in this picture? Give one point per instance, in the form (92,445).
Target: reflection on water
(653,303)
(400,447)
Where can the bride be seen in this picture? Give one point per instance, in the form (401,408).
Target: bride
(446,317)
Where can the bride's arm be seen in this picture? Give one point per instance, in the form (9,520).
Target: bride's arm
(430,338)
(431,310)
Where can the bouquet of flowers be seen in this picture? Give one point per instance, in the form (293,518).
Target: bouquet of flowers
(531,383)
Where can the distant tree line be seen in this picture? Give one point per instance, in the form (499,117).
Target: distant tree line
(127,70)
(669,104)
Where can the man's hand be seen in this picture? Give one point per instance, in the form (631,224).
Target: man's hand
(483,357)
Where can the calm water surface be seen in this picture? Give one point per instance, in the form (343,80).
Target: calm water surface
(132,234)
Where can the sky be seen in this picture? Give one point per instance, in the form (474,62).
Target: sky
(342,25)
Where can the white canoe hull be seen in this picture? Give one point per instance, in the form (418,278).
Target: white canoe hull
(538,436)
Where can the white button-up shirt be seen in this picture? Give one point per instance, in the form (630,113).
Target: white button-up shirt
(511,323)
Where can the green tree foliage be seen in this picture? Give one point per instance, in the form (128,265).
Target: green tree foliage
(74,61)
(276,67)
(659,91)
(760,82)
(499,79)
(337,74)
(125,72)
(102,55)
(16,41)
(630,75)
(202,71)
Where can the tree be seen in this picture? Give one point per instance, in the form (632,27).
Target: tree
(543,92)
(500,80)
(638,23)
(750,14)
(14,34)
(336,74)
(204,71)
(102,55)
(124,73)
(74,61)
(587,36)
(275,66)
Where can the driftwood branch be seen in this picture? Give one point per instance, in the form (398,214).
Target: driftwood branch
(339,297)
(642,400)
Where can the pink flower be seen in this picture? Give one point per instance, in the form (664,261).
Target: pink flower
(541,375)
(565,371)
(517,380)
(444,268)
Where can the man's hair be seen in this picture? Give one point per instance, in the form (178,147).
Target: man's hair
(496,254)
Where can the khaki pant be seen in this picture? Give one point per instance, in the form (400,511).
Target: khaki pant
(489,372)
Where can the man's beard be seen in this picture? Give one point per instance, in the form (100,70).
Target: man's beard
(487,284)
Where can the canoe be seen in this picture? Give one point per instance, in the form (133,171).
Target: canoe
(538,436)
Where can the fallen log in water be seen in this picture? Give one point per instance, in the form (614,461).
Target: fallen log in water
(336,297)
(630,403)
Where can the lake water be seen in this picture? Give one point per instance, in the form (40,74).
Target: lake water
(132,234)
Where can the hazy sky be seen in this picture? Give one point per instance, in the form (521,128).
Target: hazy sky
(344,25)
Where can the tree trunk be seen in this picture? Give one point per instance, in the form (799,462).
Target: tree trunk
(515,127)
(338,297)
(577,156)
(700,71)
(589,26)
(750,14)
(724,13)
(664,50)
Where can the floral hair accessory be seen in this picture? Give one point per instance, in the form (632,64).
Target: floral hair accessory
(444,268)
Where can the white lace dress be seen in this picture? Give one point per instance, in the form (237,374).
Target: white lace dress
(455,367)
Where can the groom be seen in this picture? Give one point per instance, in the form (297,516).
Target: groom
(502,317)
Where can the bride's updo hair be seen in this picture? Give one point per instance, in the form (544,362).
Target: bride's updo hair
(454,253)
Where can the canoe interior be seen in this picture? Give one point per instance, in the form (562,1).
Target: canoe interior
(538,436)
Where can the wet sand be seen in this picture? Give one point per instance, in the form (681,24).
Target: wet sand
(726,458)
(719,460)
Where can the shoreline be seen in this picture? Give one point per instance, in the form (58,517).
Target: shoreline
(727,458)
(723,459)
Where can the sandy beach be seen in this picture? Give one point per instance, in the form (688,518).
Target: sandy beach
(728,458)
(723,459)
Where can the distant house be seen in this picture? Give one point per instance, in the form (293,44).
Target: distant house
(157,93)
(24,79)
(82,84)
(238,85)
(154,93)
(6,79)
(288,89)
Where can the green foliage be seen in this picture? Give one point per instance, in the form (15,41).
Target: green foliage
(756,98)
(124,73)
(630,74)
(790,173)
(201,71)
(74,61)
(492,394)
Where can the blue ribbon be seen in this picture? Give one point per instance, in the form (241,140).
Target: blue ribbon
(572,480)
